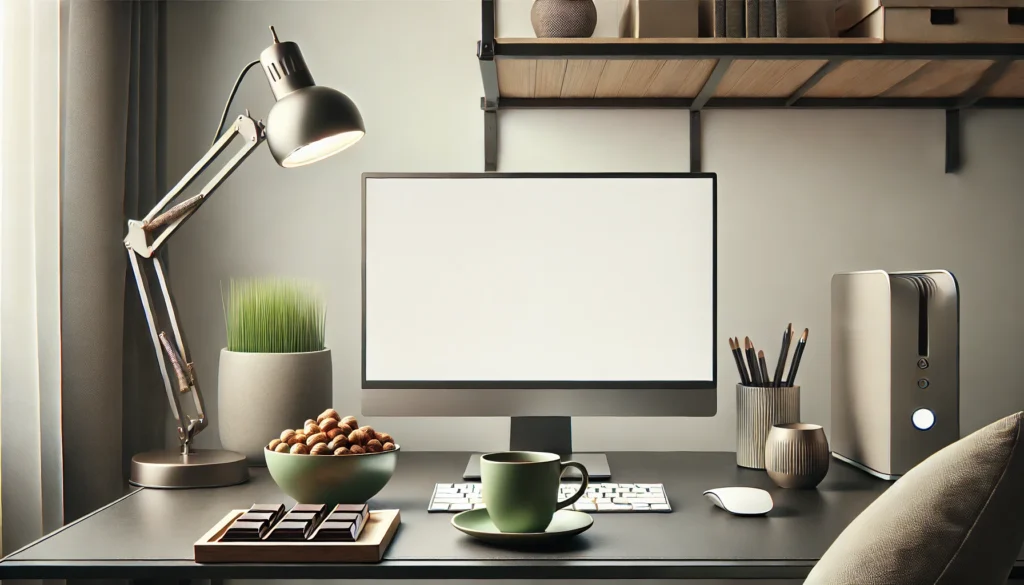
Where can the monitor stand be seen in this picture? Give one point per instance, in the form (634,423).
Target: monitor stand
(552,434)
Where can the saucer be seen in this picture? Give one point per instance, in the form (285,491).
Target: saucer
(564,524)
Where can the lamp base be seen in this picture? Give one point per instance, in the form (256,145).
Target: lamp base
(201,468)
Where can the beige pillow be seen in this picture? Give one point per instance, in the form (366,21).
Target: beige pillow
(956,518)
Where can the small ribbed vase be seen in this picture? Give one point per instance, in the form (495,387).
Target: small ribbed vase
(758,409)
(796,455)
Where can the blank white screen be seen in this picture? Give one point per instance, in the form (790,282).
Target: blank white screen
(539,279)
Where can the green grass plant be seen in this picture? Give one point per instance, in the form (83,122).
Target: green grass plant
(274,315)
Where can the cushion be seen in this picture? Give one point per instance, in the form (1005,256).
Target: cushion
(958,517)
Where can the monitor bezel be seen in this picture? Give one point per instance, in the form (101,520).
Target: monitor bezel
(455,385)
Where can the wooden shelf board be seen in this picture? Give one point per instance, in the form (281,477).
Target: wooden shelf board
(690,41)
(1011,84)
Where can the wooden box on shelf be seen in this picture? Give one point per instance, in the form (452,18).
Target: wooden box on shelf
(934,21)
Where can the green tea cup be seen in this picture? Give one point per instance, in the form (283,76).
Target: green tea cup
(520,488)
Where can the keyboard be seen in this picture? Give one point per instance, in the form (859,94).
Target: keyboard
(600,497)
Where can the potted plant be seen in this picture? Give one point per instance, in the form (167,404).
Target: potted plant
(275,368)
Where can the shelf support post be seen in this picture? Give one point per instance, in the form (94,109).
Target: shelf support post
(953,161)
(695,140)
(489,76)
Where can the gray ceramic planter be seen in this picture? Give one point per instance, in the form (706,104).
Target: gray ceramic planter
(261,394)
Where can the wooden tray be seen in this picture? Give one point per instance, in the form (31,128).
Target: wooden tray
(370,547)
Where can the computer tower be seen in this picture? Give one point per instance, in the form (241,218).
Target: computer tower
(895,368)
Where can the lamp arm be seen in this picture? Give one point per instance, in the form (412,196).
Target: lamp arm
(142,243)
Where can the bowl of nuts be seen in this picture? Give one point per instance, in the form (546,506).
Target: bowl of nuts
(332,460)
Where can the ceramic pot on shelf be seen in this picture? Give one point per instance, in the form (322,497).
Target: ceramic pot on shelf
(563,18)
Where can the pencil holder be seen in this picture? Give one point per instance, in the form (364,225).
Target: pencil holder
(758,409)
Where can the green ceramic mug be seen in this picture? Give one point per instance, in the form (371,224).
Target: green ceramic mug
(520,488)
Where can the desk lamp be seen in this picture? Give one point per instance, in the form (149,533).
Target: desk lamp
(307,123)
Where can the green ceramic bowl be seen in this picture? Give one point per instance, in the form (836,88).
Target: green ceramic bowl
(332,479)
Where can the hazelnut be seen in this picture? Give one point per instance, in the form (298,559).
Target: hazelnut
(287,435)
(335,432)
(299,449)
(369,432)
(350,421)
(311,429)
(357,437)
(357,449)
(320,449)
(273,444)
(384,437)
(308,422)
(329,413)
(342,451)
(374,446)
(339,441)
(299,438)
(345,429)
(281,448)
(328,424)
(389,446)
(317,438)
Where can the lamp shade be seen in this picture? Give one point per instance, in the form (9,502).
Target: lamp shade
(309,122)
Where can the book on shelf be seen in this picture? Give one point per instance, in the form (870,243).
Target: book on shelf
(766,18)
(735,19)
(753,18)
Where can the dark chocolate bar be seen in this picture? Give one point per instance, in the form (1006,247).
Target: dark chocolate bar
(263,517)
(361,509)
(332,531)
(240,531)
(289,531)
(357,514)
(275,510)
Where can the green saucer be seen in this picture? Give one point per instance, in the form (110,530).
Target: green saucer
(565,524)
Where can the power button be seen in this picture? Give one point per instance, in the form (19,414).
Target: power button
(922,383)
(922,363)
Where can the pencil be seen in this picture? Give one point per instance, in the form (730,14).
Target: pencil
(797,354)
(755,371)
(734,345)
(764,368)
(780,367)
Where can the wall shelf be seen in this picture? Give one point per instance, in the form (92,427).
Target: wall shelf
(699,74)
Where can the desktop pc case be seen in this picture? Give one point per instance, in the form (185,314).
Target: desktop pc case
(895,368)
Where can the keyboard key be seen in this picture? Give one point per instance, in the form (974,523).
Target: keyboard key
(584,506)
(460,507)
(653,500)
(480,505)
(641,507)
(614,508)
(602,500)
(660,508)
(449,500)
(435,507)
(620,500)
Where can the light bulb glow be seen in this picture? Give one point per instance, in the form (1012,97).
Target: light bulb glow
(321,149)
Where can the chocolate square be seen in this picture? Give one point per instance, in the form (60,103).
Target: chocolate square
(289,531)
(356,508)
(344,517)
(245,531)
(319,509)
(263,517)
(299,517)
(275,510)
(332,531)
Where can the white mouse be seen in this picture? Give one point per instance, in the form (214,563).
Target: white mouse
(742,501)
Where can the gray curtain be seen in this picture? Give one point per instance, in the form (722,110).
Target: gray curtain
(111,398)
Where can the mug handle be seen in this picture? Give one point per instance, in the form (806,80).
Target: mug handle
(583,484)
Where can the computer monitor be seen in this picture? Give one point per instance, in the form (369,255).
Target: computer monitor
(539,296)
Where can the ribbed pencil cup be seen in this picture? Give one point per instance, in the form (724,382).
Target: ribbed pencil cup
(758,409)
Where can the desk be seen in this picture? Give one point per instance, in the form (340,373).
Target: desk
(150,533)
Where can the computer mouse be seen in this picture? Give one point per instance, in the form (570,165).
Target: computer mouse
(742,501)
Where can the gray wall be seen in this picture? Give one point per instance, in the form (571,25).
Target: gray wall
(802,195)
